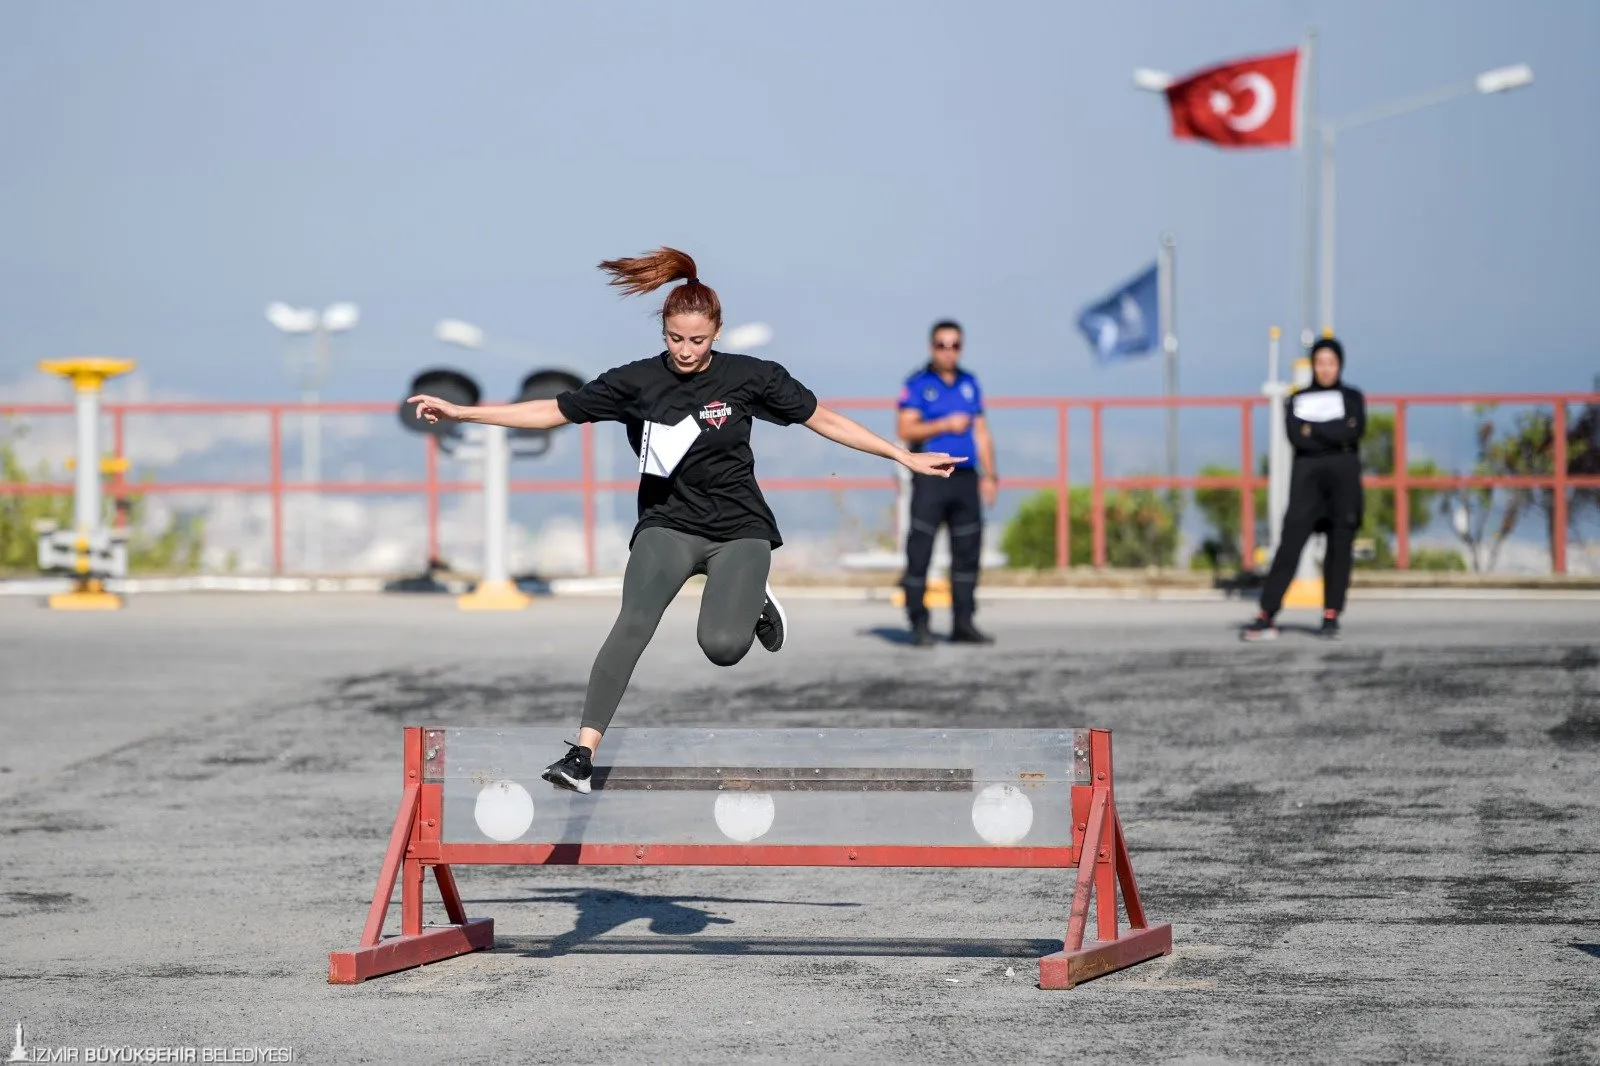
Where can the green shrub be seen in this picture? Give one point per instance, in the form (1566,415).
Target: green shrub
(1141,530)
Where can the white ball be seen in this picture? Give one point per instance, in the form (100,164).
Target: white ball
(504,811)
(1002,814)
(744,816)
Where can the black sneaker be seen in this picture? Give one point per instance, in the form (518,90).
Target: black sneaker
(773,625)
(1330,628)
(573,770)
(921,635)
(1259,629)
(967,633)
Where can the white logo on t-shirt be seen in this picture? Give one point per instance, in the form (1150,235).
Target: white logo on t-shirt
(1319,406)
(715,413)
(662,447)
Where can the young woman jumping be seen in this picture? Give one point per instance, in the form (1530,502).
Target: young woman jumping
(688,413)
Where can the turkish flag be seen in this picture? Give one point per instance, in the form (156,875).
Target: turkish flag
(1249,103)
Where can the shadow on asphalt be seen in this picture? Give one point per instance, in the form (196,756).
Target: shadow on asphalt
(602,910)
(890,634)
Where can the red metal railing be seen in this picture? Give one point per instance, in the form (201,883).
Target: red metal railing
(431,487)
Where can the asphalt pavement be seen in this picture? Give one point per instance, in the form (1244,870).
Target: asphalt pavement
(1382,849)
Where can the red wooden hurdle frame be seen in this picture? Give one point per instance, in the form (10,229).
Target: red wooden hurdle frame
(1099,852)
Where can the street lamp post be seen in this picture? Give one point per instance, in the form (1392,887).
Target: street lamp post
(1498,80)
(473,338)
(310,376)
(495,590)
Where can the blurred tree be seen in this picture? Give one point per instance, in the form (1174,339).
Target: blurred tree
(1224,518)
(176,549)
(19,544)
(1378,523)
(1141,530)
(1525,449)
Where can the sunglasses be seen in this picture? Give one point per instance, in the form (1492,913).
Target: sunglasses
(956,347)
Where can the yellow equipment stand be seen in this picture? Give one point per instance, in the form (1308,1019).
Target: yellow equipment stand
(500,595)
(88,376)
(87,595)
(1304,592)
(934,597)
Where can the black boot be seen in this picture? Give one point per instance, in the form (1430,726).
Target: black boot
(921,636)
(964,632)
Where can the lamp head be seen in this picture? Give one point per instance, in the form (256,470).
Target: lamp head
(1504,79)
(1152,81)
(291,319)
(336,318)
(462,334)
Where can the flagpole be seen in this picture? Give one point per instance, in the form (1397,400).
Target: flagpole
(1278,457)
(1305,130)
(1307,584)
(1166,295)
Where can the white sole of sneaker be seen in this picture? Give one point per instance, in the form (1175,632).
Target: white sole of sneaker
(783,618)
(562,781)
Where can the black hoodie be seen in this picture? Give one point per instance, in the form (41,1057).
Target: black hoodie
(1326,421)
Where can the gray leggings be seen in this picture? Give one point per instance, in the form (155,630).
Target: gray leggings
(661,561)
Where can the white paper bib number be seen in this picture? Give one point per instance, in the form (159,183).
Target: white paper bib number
(1319,406)
(662,447)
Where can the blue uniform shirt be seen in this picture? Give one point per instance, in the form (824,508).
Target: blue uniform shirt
(926,393)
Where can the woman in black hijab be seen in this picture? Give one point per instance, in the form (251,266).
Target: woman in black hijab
(1325,421)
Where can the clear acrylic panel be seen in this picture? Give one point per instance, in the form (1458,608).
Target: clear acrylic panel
(766,786)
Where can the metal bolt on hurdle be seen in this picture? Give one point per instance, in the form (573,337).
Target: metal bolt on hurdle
(995,798)
(89,551)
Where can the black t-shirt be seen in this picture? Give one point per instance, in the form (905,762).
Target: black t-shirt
(712,491)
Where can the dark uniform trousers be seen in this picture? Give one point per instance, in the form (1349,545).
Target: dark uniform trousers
(952,501)
(1324,496)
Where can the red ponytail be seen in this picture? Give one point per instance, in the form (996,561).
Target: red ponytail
(662,267)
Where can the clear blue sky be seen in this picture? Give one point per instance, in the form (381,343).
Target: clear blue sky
(847,171)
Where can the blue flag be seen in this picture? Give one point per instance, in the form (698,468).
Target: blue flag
(1125,323)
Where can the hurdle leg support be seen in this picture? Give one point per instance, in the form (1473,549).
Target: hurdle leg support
(1064,969)
(1103,867)
(404,952)
(415,946)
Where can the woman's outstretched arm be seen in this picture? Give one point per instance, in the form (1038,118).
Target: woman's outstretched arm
(852,434)
(530,414)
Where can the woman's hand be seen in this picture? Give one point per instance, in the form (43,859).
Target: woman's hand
(936,464)
(432,409)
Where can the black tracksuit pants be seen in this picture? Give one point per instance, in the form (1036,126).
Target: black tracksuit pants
(1324,496)
(953,501)
(659,564)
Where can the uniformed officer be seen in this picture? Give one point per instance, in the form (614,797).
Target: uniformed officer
(941,410)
